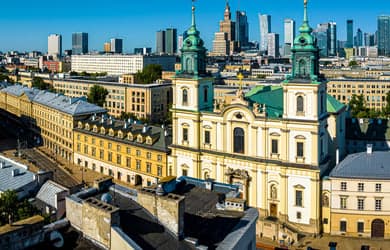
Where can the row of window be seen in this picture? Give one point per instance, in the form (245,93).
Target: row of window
(185,95)
(148,167)
(343,226)
(360,186)
(239,142)
(360,203)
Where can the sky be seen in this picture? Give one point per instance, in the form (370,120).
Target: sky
(26,26)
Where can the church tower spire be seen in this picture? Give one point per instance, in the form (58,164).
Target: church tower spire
(193,59)
(305,52)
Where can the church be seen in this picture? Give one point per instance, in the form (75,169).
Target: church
(273,142)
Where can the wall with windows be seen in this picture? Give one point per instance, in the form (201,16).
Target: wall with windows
(356,205)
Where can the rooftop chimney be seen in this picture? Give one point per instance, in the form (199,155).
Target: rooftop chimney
(369,149)
(145,128)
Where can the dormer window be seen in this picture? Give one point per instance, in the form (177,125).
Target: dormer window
(95,129)
(149,141)
(111,132)
(140,139)
(120,134)
(185,97)
(87,127)
(102,131)
(80,125)
(130,137)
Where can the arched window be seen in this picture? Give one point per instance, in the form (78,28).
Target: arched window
(205,94)
(189,65)
(185,96)
(302,68)
(239,140)
(300,104)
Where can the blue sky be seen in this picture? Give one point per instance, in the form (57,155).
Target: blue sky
(25,25)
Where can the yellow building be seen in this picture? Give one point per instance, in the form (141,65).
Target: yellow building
(356,196)
(51,116)
(374,91)
(132,153)
(273,142)
(146,101)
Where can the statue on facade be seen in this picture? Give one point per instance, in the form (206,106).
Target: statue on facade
(256,108)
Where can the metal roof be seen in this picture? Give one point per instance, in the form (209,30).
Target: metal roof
(364,166)
(18,181)
(69,105)
(18,90)
(48,192)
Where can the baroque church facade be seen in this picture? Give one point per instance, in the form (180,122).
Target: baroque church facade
(274,142)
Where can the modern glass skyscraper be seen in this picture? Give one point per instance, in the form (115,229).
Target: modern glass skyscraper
(384,35)
(358,39)
(79,43)
(160,41)
(349,43)
(265,28)
(242,29)
(333,39)
(369,39)
(116,45)
(322,33)
(273,45)
(171,41)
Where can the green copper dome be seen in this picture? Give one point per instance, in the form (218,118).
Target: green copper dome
(305,54)
(193,59)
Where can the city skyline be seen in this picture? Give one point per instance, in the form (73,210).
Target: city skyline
(137,22)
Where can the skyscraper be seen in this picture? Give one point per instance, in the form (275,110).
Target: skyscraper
(384,35)
(54,45)
(333,39)
(349,43)
(229,27)
(273,45)
(116,45)
(358,39)
(160,41)
(107,47)
(242,29)
(369,39)
(171,41)
(265,28)
(322,33)
(289,35)
(79,43)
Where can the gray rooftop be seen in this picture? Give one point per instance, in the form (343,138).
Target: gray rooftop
(65,104)
(48,191)
(18,90)
(364,166)
(68,105)
(10,182)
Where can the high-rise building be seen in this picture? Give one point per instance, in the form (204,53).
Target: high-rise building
(369,39)
(322,33)
(229,27)
(54,45)
(107,47)
(265,28)
(116,45)
(142,51)
(358,39)
(273,45)
(289,35)
(171,41)
(384,35)
(242,29)
(79,43)
(333,39)
(160,41)
(221,45)
(180,40)
(349,43)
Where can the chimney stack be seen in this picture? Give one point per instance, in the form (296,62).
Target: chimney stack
(369,149)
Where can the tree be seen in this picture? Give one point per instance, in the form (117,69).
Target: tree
(39,83)
(357,106)
(352,63)
(8,205)
(149,74)
(97,95)
(4,78)
(386,110)
(126,116)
